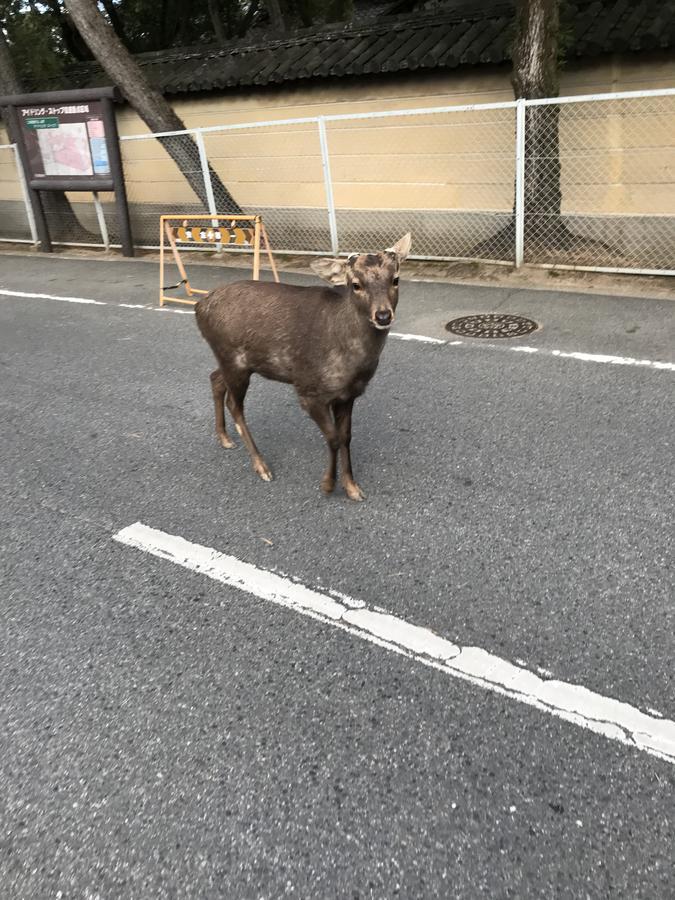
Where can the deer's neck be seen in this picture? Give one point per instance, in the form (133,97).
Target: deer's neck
(354,334)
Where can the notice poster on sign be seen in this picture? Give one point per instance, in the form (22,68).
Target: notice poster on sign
(65,150)
(65,141)
(97,144)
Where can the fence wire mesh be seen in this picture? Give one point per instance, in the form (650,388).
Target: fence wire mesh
(71,217)
(276,171)
(446,177)
(163,176)
(600,183)
(598,180)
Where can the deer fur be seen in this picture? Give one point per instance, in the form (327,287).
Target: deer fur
(325,341)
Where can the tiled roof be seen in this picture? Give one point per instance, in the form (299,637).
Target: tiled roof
(451,35)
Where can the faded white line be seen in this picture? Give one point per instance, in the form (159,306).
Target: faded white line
(421,338)
(583,357)
(416,337)
(8,293)
(614,360)
(149,308)
(574,703)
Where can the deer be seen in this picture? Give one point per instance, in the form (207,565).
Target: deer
(325,341)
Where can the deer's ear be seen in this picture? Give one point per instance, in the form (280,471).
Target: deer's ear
(331,270)
(401,248)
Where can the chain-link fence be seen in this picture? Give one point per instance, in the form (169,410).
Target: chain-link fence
(447,177)
(582,182)
(16,217)
(599,182)
(276,171)
(156,185)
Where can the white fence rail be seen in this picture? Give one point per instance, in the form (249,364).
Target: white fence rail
(583,182)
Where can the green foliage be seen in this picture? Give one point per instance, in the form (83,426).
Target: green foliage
(43,42)
(35,42)
(304,13)
(568,10)
(339,10)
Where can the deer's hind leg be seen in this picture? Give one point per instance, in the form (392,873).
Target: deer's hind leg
(219,391)
(236,383)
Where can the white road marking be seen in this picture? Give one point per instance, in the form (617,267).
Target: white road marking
(574,703)
(416,337)
(614,360)
(421,338)
(584,357)
(8,293)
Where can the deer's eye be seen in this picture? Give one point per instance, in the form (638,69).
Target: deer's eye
(395,282)
(356,286)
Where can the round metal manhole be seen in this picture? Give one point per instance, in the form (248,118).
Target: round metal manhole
(492,325)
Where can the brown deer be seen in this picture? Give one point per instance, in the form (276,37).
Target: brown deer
(326,342)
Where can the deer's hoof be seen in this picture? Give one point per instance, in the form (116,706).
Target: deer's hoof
(354,492)
(226,441)
(263,471)
(328,485)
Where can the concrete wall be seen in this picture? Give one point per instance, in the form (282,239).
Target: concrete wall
(617,158)
(459,161)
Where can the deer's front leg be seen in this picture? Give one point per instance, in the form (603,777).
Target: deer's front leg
(323,416)
(343,423)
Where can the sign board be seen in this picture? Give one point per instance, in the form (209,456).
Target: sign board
(200,234)
(66,139)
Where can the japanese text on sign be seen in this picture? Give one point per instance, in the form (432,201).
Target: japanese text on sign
(54,110)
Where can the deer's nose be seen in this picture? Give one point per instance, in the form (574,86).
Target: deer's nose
(383,317)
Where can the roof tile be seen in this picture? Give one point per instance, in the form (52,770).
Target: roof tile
(451,35)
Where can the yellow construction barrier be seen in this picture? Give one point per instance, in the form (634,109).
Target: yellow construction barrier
(223,231)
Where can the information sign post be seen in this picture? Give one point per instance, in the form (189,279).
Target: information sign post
(68,141)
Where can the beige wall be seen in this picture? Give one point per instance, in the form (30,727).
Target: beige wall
(450,161)
(10,188)
(484,84)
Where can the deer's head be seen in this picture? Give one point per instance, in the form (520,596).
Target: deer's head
(371,280)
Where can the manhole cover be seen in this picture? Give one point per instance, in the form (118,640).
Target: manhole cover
(491,325)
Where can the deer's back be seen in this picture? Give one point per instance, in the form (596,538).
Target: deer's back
(276,330)
(305,336)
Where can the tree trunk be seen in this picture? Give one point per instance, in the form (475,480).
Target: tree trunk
(71,39)
(216,21)
(63,223)
(276,17)
(124,71)
(534,76)
(248,18)
(115,21)
(9,80)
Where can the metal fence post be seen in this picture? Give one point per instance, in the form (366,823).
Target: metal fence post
(30,215)
(332,220)
(208,184)
(206,175)
(520,182)
(103,228)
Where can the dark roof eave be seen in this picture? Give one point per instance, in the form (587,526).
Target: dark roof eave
(387,46)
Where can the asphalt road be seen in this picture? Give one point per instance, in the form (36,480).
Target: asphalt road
(163,735)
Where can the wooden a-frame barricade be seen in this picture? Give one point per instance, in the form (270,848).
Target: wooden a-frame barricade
(234,232)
